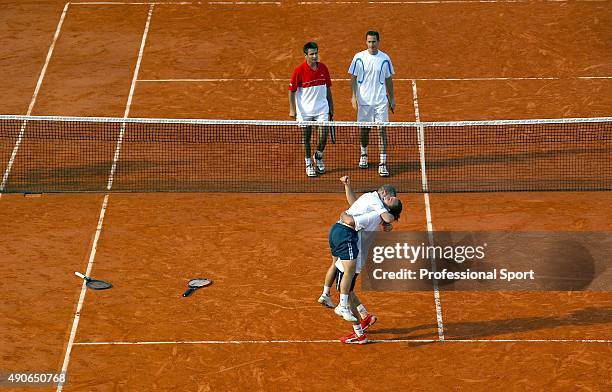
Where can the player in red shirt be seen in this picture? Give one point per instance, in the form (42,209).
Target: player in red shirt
(310,99)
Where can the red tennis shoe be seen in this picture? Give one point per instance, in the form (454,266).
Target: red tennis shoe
(352,338)
(368,321)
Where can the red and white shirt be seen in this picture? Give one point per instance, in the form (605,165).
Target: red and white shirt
(311,87)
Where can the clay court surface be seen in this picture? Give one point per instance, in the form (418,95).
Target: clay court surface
(258,327)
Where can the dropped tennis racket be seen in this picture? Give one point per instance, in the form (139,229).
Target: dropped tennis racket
(195,284)
(94,284)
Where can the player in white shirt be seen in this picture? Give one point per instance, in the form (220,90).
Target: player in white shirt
(347,243)
(371,80)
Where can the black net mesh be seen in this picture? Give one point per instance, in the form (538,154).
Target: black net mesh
(129,155)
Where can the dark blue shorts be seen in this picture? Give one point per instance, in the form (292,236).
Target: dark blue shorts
(343,242)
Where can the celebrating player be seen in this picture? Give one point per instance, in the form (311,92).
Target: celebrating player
(348,240)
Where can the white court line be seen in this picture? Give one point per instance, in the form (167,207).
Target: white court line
(77,314)
(426,2)
(128,105)
(191,80)
(421,138)
(179,3)
(447,2)
(315,341)
(11,161)
(92,255)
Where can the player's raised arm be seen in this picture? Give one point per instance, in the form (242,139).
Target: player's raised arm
(351,197)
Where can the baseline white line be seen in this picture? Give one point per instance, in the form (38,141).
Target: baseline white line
(244,3)
(446,2)
(315,341)
(427,2)
(92,255)
(421,138)
(178,3)
(191,80)
(128,105)
(77,314)
(11,161)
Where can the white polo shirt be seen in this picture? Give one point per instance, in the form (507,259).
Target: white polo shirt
(366,211)
(371,72)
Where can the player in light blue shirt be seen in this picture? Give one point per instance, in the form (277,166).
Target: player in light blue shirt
(372,84)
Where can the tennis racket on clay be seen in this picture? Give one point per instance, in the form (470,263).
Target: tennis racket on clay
(195,284)
(94,284)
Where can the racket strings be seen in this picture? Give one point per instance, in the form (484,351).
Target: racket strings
(98,285)
(199,282)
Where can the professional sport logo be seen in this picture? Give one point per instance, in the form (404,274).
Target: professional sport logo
(470,261)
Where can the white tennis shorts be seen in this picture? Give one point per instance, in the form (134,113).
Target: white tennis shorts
(367,113)
(318,117)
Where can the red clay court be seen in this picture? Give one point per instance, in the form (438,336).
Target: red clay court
(258,327)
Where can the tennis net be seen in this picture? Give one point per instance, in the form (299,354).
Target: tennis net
(71,154)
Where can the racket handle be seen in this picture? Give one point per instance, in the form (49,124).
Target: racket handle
(80,275)
(188,292)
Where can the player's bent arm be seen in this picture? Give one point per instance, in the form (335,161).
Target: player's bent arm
(347,219)
(387,217)
(366,220)
(291,103)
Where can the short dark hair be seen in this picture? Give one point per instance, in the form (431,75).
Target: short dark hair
(310,45)
(396,209)
(389,189)
(372,33)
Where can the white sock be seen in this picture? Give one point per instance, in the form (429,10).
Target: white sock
(364,150)
(308,161)
(362,311)
(326,290)
(357,329)
(383,158)
(344,300)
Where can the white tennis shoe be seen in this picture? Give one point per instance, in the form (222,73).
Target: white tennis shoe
(345,313)
(326,301)
(382,170)
(320,163)
(310,171)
